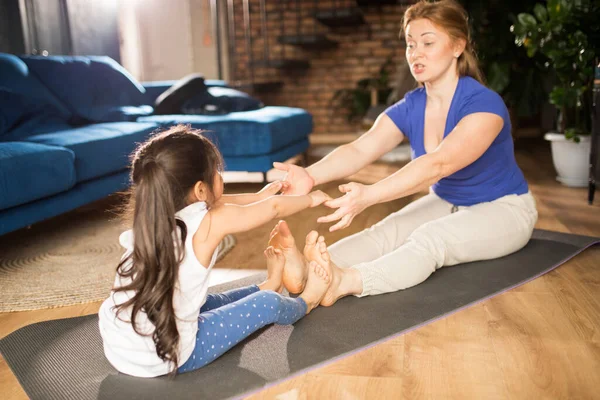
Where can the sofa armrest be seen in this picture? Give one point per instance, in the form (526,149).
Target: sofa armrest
(156,88)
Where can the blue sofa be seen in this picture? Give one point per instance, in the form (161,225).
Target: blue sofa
(69,124)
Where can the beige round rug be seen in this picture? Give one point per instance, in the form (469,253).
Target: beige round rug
(71,259)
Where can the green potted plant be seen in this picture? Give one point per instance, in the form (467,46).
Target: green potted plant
(519,79)
(560,30)
(367,92)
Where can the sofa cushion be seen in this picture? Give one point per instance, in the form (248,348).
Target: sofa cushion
(21,116)
(119,113)
(220,100)
(100,149)
(13,109)
(156,88)
(89,85)
(84,193)
(171,100)
(247,133)
(30,171)
(15,76)
(264,162)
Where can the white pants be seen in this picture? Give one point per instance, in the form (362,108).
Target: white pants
(409,245)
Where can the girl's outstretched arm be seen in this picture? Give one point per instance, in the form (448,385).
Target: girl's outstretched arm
(223,219)
(233,218)
(270,189)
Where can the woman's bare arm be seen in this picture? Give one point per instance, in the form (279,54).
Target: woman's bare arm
(352,157)
(346,159)
(471,137)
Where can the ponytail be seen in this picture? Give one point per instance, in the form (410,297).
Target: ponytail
(155,265)
(164,171)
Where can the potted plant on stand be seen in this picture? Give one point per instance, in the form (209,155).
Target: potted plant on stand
(368,93)
(519,79)
(559,30)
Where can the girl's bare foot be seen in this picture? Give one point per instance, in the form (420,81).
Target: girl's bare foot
(295,272)
(344,281)
(275,266)
(317,283)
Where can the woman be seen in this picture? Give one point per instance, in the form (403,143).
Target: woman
(479,206)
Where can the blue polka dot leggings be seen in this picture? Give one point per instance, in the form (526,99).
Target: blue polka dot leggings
(228,318)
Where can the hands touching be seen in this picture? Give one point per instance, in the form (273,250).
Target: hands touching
(272,189)
(318,197)
(348,206)
(298,179)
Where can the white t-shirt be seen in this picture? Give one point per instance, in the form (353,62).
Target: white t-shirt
(135,354)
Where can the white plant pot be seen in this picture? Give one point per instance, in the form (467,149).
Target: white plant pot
(571,160)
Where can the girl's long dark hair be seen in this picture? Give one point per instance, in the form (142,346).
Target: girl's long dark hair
(164,171)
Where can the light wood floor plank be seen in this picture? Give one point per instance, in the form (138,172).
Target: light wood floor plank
(538,348)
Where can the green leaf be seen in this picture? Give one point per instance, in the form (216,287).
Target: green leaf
(498,76)
(573,133)
(553,7)
(569,133)
(540,12)
(527,20)
(519,30)
(557,96)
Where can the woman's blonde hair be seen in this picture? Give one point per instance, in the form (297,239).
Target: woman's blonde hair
(453,18)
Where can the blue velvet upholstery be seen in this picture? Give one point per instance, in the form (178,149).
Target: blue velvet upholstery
(83,193)
(264,162)
(15,76)
(13,109)
(249,133)
(100,149)
(93,88)
(21,116)
(115,79)
(119,113)
(30,171)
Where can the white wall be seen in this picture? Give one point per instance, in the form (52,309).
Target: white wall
(167,39)
(162,48)
(204,45)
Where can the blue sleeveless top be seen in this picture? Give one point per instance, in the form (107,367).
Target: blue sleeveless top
(491,176)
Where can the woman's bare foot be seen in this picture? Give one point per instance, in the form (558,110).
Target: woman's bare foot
(317,283)
(344,281)
(311,246)
(295,273)
(275,266)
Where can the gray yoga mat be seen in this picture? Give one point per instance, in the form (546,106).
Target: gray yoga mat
(63,359)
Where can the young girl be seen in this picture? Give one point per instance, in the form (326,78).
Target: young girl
(159,318)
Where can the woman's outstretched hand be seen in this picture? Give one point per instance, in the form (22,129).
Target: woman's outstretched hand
(298,179)
(348,206)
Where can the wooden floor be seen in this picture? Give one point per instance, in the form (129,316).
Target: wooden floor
(541,340)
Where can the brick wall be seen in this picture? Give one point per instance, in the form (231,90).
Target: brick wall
(360,53)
